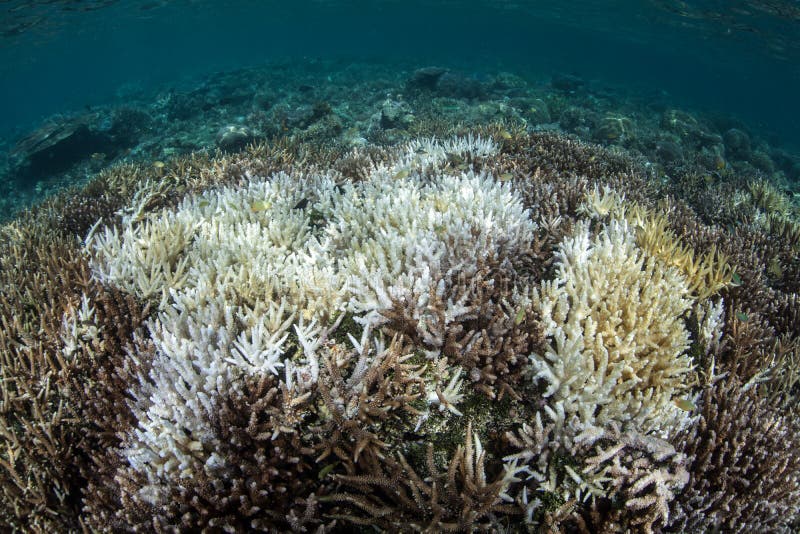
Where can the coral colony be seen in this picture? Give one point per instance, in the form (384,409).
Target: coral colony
(501,331)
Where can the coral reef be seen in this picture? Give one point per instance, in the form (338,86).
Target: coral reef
(473,332)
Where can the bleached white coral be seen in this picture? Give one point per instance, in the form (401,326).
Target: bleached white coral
(236,272)
(599,204)
(449,397)
(710,320)
(77,325)
(405,235)
(615,320)
(431,151)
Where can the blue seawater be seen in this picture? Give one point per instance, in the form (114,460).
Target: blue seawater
(739,59)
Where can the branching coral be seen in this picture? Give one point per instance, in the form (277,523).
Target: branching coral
(41,279)
(744,462)
(618,341)
(707,274)
(306,340)
(395,496)
(627,470)
(474,318)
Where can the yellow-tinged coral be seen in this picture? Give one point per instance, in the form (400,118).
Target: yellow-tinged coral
(767,197)
(707,274)
(614,316)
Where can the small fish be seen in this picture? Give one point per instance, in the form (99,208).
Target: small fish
(98,156)
(325,471)
(259,205)
(203,203)
(520,316)
(743,317)
(402,174)
(505,134)
(159,164)
(505,177)
(301,205)
(736,279)
(685,404)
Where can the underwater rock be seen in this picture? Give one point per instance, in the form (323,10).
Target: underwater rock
(577,120)
(395,114)
(668,151)
(320,110)
(761,161)
(690,131)
(737,143)
(297,116)
(509,83)
(787,162)
(329,126)
(288,118)
(535,110)
(446,83)
(568,83)
(60,144)
(264,100)
(126,126)
(180,106)
(234,137)
(425,78)
(613,129)
(456,85)
(712,158)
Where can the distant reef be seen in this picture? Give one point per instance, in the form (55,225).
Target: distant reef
(343,105)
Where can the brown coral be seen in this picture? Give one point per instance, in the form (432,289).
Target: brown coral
(744,465)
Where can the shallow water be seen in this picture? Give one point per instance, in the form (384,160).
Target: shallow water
(731,64)
(738,57)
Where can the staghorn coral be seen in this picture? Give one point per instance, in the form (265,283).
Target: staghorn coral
(744,465)
(707,273)
(484,325)
(380,386)
(296,338)
(611,469)
(262,477)
(396,497)
(307,251)
(766,197)
(41,279)
(617,338)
